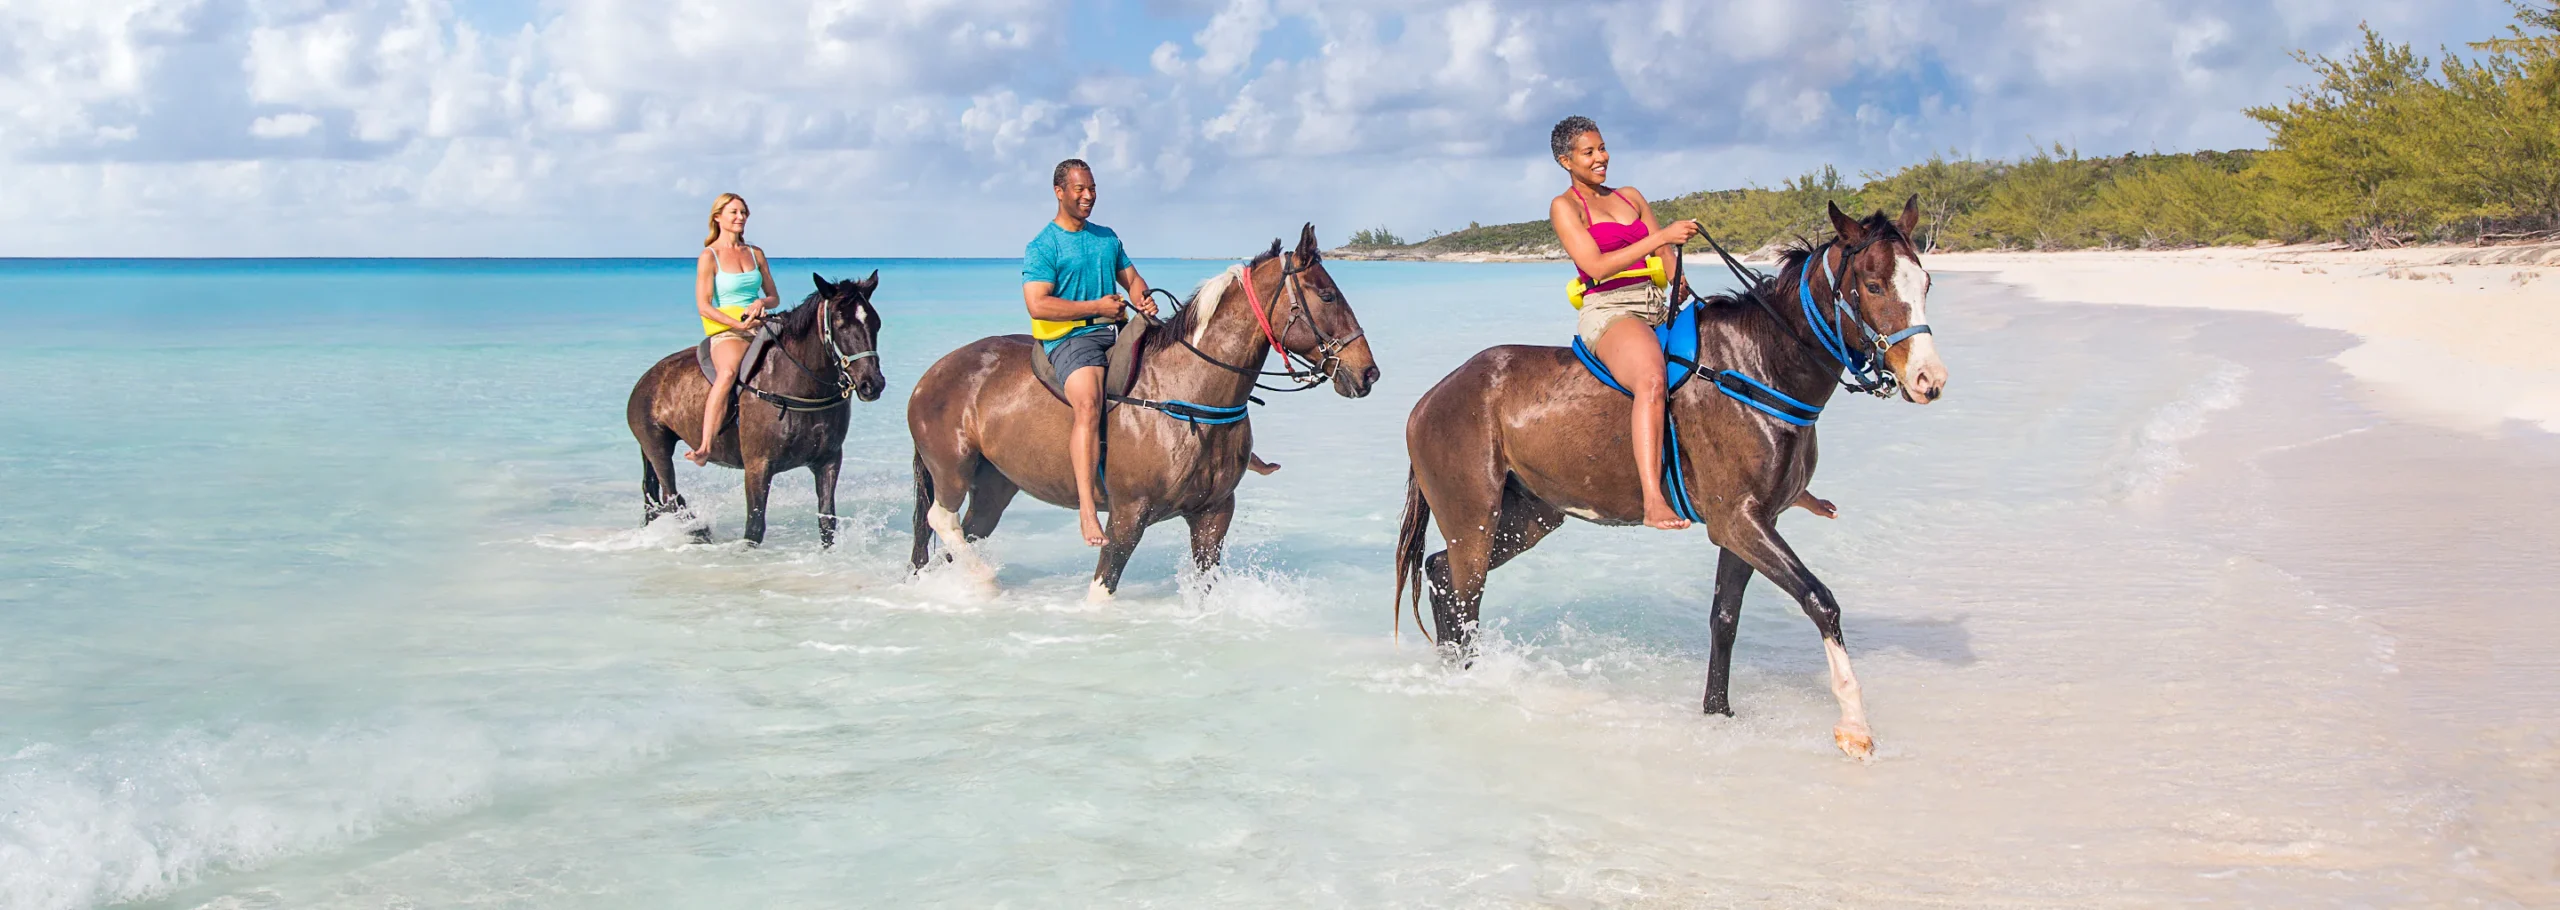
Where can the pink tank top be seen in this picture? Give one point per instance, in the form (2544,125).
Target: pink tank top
(1610,236)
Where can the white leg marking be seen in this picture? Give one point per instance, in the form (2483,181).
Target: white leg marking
(1095,593)
(946,526)
(1852,734)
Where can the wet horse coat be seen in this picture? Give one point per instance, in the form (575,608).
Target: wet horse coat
(986,429)
(1522,436)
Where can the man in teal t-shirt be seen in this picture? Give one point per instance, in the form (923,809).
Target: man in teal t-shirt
(1068,278)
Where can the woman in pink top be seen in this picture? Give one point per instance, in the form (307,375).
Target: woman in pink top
(1607,231)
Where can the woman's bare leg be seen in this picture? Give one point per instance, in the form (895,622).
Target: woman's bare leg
(725,354)
(1255,464)
(1816,505)
(1629,349)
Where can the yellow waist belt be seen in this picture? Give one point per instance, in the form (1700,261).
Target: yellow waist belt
(710,328)
(1652,270)
(1054,329)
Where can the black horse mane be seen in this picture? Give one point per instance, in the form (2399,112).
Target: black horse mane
(1793,258)
(801,318)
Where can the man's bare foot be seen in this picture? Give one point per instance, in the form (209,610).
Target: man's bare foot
(1093,536)
(1255,464)
(699,456)
(1658,515)
(1823,507)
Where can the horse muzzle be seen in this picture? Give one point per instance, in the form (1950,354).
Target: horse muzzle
(1924,375)
(869,385)
(1354,382)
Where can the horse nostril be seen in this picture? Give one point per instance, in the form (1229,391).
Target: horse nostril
(1369,375)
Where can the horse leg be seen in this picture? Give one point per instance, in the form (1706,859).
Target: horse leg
(1732,575)
(759,485)
(1120,538)
(1209,533)
(824,472)
(989,494)
(1760,545)
(658,480)
(941,486)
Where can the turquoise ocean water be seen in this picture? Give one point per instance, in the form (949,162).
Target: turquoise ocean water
(323,587)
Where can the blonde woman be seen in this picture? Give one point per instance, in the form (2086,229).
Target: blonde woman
(732,290)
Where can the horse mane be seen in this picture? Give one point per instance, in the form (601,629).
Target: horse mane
(799,319)
(1795,256)
(1203,303)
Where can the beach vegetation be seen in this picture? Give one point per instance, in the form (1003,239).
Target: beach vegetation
(2383,146)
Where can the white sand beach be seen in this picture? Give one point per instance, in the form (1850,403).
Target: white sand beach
(2466,336)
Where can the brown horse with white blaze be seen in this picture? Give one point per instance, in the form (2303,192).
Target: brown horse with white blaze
(985,428)
(1521,436)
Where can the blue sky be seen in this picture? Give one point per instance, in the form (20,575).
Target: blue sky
(927,127)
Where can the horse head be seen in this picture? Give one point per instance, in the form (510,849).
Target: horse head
(1882,279)
(852,327)
(1320,326)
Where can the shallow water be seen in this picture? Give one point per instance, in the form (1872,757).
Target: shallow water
(323,588)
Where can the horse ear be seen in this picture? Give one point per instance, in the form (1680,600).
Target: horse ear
(1845,226)
(823,287)
(1275,246)
(1910,221)
(869,284)
(1308,251)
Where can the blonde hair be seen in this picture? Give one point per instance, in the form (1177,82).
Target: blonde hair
(722,203)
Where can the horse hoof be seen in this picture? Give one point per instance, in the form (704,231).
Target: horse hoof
(1854,742)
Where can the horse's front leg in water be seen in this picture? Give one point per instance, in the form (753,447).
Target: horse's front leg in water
(824,472)
(759,485)
(1759,544)
(1209,533)
(1733,574)
(1120,538)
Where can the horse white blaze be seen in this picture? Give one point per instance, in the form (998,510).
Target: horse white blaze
(1852,735)
(1923,374)
(946,526)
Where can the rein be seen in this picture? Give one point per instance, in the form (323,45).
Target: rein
(1328,348)
(1863,370)
(836,391)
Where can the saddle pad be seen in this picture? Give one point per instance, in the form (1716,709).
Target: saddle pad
(1679,338)
(747,364)
(1117,377)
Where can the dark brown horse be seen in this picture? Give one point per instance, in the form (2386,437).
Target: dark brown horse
(985,428)
(791,413)
(1521,436)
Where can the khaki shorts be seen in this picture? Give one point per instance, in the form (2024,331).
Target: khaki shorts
(735,334)
(1601,308)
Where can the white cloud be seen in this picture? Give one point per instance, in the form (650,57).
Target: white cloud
(401,127)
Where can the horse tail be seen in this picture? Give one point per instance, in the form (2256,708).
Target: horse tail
(1409,561)
(924,526)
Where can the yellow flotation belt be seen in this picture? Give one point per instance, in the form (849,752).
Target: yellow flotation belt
(1652,270)
(710,328)
(1054,329)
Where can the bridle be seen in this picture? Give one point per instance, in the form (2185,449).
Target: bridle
(1863,370)
(837,390)
(1329,349)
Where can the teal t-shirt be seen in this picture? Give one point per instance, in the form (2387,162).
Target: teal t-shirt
(1079,265)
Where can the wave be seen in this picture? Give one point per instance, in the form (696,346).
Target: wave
(128,815)
(2155,458)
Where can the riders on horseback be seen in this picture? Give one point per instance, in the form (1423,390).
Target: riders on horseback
(1068,272)
(732,290)
(1613,232)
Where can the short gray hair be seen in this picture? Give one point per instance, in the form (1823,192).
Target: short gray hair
(1568,129)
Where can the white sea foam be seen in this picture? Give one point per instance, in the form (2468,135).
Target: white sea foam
(126,815)
(2154,458)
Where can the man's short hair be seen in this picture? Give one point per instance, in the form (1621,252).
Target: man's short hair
(1058,177)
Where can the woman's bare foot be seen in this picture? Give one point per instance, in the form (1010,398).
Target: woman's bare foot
(1658,515)
(1823,507)
(699,456)
(1093,536)
(1255,464)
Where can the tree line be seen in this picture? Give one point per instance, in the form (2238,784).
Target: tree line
(2385,147)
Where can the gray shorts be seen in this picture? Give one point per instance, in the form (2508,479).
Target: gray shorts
(1091,349)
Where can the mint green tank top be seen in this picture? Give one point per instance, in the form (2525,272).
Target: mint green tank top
(732,293)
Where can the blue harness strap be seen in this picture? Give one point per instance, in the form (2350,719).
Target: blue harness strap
(1679,338)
